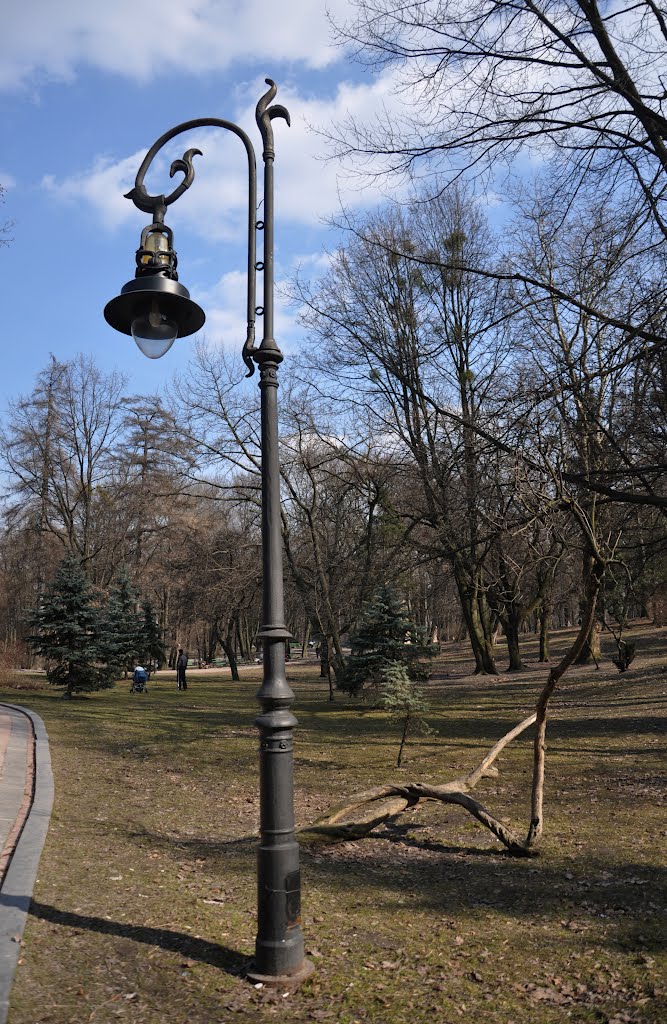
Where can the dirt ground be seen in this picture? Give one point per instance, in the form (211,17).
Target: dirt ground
(144,909)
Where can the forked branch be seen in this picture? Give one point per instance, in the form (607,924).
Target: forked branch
(363,812)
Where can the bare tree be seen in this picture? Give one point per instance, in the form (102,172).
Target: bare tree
(579,81)
(57,446)
(522,566)
(415,341)
(151,468)
(331,485)
(579,368)
(339,543)
(481,88)
(215,576)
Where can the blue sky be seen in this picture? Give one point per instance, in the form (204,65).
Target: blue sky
(85,89)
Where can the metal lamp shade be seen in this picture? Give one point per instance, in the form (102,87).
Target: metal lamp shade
(138,295)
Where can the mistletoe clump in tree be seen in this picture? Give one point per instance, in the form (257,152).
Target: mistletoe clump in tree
(66,632)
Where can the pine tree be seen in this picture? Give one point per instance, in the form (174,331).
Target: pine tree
(386,636)
(66,632)
(151,641)
(122,627)
(405,701)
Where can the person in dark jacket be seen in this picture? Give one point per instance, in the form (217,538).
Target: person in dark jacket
(181,665)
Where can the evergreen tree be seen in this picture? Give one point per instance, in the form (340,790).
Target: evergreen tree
(386,637)
(405,701)
(151,640)
(66,632)
(121,625)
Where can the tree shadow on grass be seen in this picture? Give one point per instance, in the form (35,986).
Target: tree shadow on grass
(444,877)
(403,836)
(225,959)
(244,846)
(463,882)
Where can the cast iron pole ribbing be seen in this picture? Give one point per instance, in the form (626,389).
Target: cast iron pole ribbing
(279,950)
(155,298)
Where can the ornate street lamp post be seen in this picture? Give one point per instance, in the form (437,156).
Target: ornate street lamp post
(156,309)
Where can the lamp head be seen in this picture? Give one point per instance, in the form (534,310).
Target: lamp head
(154,308)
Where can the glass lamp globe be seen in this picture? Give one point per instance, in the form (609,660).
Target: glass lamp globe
(154,331)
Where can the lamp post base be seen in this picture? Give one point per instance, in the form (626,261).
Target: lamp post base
(286,981)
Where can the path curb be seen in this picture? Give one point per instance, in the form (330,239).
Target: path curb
(19,879)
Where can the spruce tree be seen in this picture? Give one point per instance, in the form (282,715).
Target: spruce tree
(66,632)
(151,641)
(405,701)
(386,636)
(122,627)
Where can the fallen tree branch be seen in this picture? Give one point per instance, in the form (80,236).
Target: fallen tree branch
(363,812)
(359,815)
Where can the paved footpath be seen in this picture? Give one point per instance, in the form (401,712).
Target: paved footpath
(26,799)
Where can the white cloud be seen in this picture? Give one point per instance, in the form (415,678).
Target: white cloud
(225,305)
(308,187)
(103,187)
(7,180)
(313,263)
(42,40)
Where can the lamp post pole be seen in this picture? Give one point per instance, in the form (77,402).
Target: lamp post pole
(279,943)
(155,308)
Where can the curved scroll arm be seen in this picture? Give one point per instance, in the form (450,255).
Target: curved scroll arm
(264,115)
(157,205)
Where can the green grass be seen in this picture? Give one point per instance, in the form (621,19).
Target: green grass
(144,909)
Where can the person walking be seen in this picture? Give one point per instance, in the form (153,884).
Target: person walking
(181,665)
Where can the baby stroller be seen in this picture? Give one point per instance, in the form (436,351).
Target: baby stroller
(139,680)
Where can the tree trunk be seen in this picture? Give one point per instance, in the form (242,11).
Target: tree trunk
(544,618)
(591,649)
(482,649)
(242,649)
(325,666)
(228,648)
(593,583)
(306,638)
(406,725)
(513,648)
(211,640)
(363,812)
(477,618)
(512,620)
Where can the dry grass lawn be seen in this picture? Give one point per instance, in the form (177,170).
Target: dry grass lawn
(144,907)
